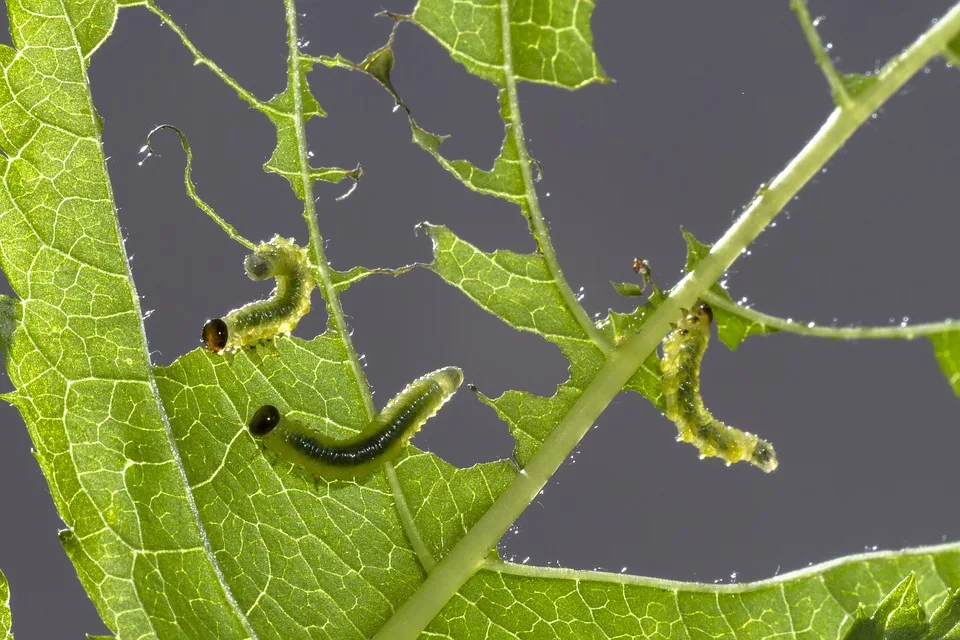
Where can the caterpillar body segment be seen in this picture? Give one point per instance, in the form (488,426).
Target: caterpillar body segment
(382,440)
(261,320)
(683,351)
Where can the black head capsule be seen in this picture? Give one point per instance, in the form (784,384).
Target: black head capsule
(264,420)
(215,335)
(705,309)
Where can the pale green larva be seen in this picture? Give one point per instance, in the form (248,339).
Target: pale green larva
(683,351)
(262,320)
(380,441)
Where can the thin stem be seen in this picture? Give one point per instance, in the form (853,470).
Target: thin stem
(199,58)
(336,318)
(468,555)
(537,224)
(902,332)
(578,575)
(191,189)
(837,88)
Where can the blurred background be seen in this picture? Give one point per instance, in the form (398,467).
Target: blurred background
(711,99)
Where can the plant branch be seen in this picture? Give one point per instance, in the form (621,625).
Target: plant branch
(537,224)
(902,332)
(336,319)
(191,189)
(469,553)
(839,90)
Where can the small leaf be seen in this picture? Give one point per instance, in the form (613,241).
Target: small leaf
(945,621)
(628,289)
(952,52)
(946,348)
(898,617)
(857,83)
(5,620)
(731,328)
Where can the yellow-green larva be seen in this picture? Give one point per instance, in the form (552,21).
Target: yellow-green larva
(380,441)
(261,320)
(683,351)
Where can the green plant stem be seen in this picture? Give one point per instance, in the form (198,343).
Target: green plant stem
(840,96)
(903,332)
(191,189)
(199,58)
(469,553)
(336,320)
(537,224)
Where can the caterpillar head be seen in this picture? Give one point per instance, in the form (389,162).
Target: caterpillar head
(701,314)
(259,266)
(264,420)
(703,309)
(764,457)
(215,335)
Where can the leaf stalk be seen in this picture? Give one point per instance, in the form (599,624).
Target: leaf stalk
(839,90)
(902,332)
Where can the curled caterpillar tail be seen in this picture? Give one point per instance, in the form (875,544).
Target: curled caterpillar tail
(261,320)
(683,351)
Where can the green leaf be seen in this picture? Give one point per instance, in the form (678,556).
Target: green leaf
(628,289)
(945,621)
(817,602)
(946,348)
(282,111)
(519,289)
(5,620)
(180,526)
(731,328)
(901,616)
(549,41)
(77,355)
(335,544)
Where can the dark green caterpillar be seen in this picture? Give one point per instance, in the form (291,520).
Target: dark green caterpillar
(261,320)
(683,351)
(380,441)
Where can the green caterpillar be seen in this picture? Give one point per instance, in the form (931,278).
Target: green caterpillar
(261,320)
(683,351)
(380,441)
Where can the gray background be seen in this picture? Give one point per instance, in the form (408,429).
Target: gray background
(711,100)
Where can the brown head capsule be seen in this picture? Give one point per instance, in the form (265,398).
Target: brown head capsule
(215,335)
